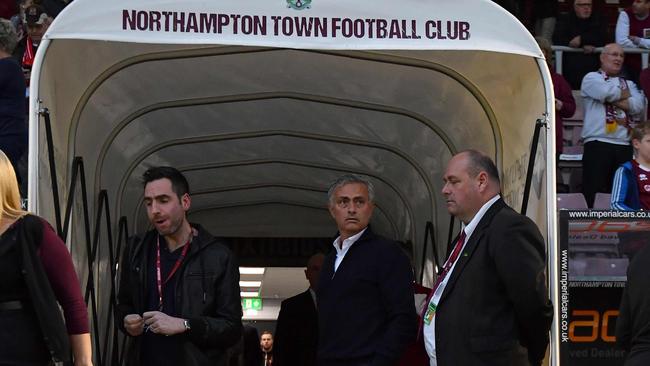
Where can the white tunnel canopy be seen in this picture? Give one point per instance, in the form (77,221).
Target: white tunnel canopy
(261,115)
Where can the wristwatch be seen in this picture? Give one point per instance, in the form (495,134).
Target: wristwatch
(186,323)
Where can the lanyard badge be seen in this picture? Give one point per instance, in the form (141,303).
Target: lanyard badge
(177,265)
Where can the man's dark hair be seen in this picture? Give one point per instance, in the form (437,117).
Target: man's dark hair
(267,332)
(179,183)
(479,162)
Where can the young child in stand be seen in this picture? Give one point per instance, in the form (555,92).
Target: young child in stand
(631,188)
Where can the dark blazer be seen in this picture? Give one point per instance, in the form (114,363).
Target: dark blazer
(495,308)
(633,324)
(366,312)
(296,333)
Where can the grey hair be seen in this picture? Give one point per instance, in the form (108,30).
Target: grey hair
(348,179)
(8,36)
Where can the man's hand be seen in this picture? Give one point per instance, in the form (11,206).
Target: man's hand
(625,94)
(133,324)
(636,40)
(161,323)
(589,48)
(575,42)
(558,104)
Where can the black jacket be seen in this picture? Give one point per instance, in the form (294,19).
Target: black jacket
(41,295)
(296,332)
(633,324)
(207,293)
(495,308)
(592,32)
(366,313)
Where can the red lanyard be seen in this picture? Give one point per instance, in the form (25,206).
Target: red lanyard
(450,262)
(169,276)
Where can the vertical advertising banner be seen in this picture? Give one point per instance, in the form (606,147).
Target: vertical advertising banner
(595,249)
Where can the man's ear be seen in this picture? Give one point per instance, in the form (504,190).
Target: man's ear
(483,181)
(186,201)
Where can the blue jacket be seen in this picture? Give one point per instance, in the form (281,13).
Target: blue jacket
(625,191)
(366,313)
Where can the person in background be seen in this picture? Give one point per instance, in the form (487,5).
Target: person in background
(544,18)
(611,103)
(37,276)
(580,28)
(565,105)
(36,22)
(252,350)
(13,124)
(266,344)
(18,21)
(631,187)
(633,31)
(296,332)
(8,8)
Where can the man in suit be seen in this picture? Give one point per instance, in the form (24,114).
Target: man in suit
(366,313)
(633,324)
(490,304)
(296,333)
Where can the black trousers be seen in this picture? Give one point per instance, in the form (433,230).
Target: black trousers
(599,163)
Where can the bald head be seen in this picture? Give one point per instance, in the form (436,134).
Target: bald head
(471,179)
(611,59)
(312,272)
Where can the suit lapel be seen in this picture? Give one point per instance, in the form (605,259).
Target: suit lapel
(308,303)
(470,246)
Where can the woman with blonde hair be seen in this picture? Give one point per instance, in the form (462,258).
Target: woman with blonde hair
(37,272)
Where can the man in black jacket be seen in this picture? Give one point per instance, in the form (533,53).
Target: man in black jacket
(633,324)
(580,28)
(489,304)
(296,332)
(366,313)
(178,298)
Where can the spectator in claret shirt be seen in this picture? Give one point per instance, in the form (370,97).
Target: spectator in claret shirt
(631,187)
(633,30)
(581,28)
(565,105)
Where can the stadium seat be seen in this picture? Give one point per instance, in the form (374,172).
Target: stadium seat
(602,201)
(606,266)
(571,201)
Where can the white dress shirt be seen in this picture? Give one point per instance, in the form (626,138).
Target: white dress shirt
(342,250)
(430,329)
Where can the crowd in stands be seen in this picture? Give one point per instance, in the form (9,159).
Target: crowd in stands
(22,26)
(602,80)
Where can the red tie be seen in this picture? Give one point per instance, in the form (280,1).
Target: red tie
(450,262)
